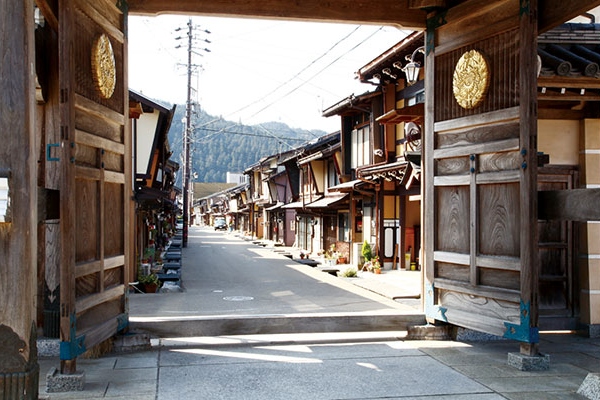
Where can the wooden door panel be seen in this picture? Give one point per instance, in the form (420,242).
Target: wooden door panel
(479,177)
(558,308)
(96,175)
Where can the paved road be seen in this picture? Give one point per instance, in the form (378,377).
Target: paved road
(367,365)
(292,367)
(226,275)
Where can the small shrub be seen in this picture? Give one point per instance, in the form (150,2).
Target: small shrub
(349,273)
(366,251)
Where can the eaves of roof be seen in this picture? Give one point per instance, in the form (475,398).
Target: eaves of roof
(396,53)
(352,103)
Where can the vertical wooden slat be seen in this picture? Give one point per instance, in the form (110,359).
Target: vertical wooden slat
(94,222)
(528,138)
(473,222)
(18,229)
(67,200)
(428,189)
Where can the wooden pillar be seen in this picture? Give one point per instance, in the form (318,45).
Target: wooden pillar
(589,247)
(19,369)
(528,137)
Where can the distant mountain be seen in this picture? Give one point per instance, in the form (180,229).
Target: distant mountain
(220,146)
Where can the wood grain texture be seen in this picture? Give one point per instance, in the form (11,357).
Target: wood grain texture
(572,205)
(18,156)
(481,307)
(94,177)
(499,227)
(385,12)
(478,134)
(452,233)
(501,161)
(452,166)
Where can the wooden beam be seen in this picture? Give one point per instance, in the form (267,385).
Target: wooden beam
(552,13)
(49,11)
(382,12)
(474,20)
(568,82)
(569,205)
(553,113)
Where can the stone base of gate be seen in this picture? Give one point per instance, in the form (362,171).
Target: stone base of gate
(57,382)
(469,335)
(131,341)
(590,388)
(590,330)
(524,362)
(429,332)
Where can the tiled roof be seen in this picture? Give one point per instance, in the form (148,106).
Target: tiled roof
(570,50)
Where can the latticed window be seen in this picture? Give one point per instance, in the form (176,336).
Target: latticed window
(361,147)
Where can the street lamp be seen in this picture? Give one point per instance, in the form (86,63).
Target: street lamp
(411,70)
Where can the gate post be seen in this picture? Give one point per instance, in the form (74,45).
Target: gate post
(19,368)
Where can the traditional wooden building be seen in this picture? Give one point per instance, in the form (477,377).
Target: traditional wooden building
(398,121)
(156,209)
(323,218)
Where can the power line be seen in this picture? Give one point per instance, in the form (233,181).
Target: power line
(299,72)
(296,76)
(316,74)
(248,134)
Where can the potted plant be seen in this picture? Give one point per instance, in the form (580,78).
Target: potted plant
(148,255)
(366,251)
(367,255)
(149,282)
(372,265)
(332,255)
(376,265)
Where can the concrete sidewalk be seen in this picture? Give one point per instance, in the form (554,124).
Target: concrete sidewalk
(333,366)
(341,365)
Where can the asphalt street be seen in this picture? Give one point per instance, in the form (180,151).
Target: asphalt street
(225,275)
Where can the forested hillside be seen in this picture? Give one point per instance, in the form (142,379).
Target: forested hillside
(220,146)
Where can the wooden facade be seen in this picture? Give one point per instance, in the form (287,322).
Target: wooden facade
(19,369)
(95,186)
(480,166)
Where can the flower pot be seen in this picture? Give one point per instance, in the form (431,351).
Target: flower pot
(377,271)
(150,287)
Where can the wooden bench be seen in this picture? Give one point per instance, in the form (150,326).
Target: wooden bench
(329,269)
(307,261)
(169,277)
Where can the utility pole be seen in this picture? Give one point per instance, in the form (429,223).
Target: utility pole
(187,134)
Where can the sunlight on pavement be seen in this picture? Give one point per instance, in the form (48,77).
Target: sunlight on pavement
(369,366)
(250,356)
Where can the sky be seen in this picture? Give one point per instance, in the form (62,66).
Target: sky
(257,70)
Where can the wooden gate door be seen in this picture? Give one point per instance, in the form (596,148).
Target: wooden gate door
(557,244)
(95,168)
(480,169)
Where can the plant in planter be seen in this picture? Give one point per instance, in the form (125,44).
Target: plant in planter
(366,251)
(332,255)
(373,265)
(367,255)
(149,282)
(148,255)
(376,265)
(349,273)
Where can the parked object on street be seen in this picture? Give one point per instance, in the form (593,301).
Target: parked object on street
(220,224)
